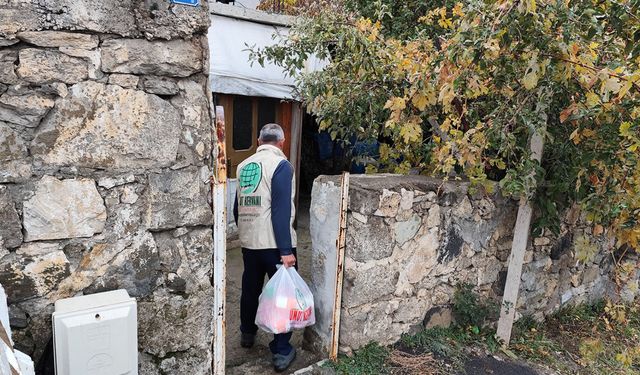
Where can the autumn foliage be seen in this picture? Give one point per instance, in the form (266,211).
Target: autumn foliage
(457,89)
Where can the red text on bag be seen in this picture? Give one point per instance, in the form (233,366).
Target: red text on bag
(299,315)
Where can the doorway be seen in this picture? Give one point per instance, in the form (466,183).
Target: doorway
(244,117)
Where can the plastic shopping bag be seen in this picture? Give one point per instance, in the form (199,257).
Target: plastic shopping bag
(286,303)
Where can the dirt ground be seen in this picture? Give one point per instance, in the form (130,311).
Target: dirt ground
(257,360)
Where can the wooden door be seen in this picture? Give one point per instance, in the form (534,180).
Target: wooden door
(245,116)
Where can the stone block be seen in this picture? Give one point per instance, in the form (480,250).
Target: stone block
(91,56)
(406,202)
(178,198)
(389,204)
(17,18)
(434,218)
(159,85)
(25,110)
(176,58)
(541,241)
(33,273)
(124,80)
(490,273)
(411,310)
(129,195)
(463,209)
(11,229)
(8,61)
(46,66)
(452,246)
(424,258)
(373,240)
(164,20)
(110,182)
(59,39)
(189,320)
(63,209)
(5,42)
(406,230)
(106,126)
(135,268)
(485,207)
(196,131)
(591,274)
(366,287)
(364,201)
(12,146)
(187,257)
(438,316)
(109,17)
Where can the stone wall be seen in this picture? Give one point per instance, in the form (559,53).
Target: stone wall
(411,240)
(105,143)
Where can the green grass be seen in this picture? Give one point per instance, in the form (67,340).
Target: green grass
(368,360)
(584,339)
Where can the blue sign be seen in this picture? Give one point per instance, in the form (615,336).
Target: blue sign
(193,3)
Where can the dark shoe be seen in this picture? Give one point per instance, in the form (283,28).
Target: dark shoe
(282,362)
(247,340)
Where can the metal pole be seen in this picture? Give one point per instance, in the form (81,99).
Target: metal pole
(219,193)
(340,247)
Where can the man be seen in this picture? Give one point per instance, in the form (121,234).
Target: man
(264,211)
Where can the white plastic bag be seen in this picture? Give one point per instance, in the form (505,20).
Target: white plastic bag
(286,303)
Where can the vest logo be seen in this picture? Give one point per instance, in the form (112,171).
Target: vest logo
(250,178)
(250,201)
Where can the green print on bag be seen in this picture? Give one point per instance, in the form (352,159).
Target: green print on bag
(250,177)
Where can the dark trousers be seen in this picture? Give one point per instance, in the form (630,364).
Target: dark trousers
(257,264)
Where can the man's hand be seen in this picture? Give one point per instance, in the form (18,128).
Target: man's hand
(289,260)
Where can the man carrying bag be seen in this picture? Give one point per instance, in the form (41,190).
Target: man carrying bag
(264,211)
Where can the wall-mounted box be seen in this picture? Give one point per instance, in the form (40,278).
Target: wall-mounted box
(96,334)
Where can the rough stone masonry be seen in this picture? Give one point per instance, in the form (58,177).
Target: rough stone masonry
(412,239)
(105,146)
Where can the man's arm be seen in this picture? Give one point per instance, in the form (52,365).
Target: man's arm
(281,185)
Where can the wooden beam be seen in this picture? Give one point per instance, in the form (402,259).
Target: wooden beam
(218,200)
(340,246)
(518,248)
(296,144)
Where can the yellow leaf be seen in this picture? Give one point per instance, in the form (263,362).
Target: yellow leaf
(624,129)
(593,99)
(457,10)
(420,101)
(575,136)
(531,6)
(625,89)
(492,47)
(411,132)
(446,94)
(396,104)
(445,22)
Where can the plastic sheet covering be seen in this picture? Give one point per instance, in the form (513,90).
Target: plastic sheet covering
(232,71)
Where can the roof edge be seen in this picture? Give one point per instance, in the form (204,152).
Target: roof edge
(237,12)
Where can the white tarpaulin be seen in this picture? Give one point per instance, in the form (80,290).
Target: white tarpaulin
(231,69)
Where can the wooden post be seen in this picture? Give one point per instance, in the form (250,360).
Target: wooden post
(340,245)
(219,194)
(518,249)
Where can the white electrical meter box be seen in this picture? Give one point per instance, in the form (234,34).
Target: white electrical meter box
(96,334)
